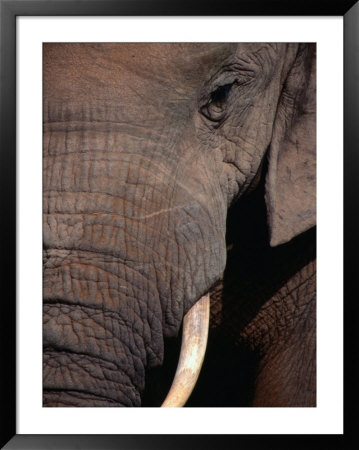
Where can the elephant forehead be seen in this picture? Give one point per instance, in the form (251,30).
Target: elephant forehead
(139,81)
(128,71)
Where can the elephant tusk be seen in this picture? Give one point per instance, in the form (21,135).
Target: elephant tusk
(193,348)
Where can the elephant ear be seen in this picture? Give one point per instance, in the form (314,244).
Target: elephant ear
(291,178)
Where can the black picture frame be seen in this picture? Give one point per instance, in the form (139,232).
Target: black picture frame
(9,10)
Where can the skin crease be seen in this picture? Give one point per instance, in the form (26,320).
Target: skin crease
(143,154)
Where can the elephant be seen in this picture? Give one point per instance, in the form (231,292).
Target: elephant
(179,177)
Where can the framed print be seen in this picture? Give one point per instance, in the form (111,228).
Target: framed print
(165,168)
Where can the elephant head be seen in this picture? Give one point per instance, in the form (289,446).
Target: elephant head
(145,148)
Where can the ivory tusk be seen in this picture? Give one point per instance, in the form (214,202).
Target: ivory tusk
(193,348)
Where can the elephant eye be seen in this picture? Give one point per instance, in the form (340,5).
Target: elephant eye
(220,95)
(214,109)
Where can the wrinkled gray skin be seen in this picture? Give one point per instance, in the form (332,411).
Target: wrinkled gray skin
(145,148)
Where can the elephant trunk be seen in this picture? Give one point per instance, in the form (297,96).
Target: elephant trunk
(102,308)
(128,249)
(97,338)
